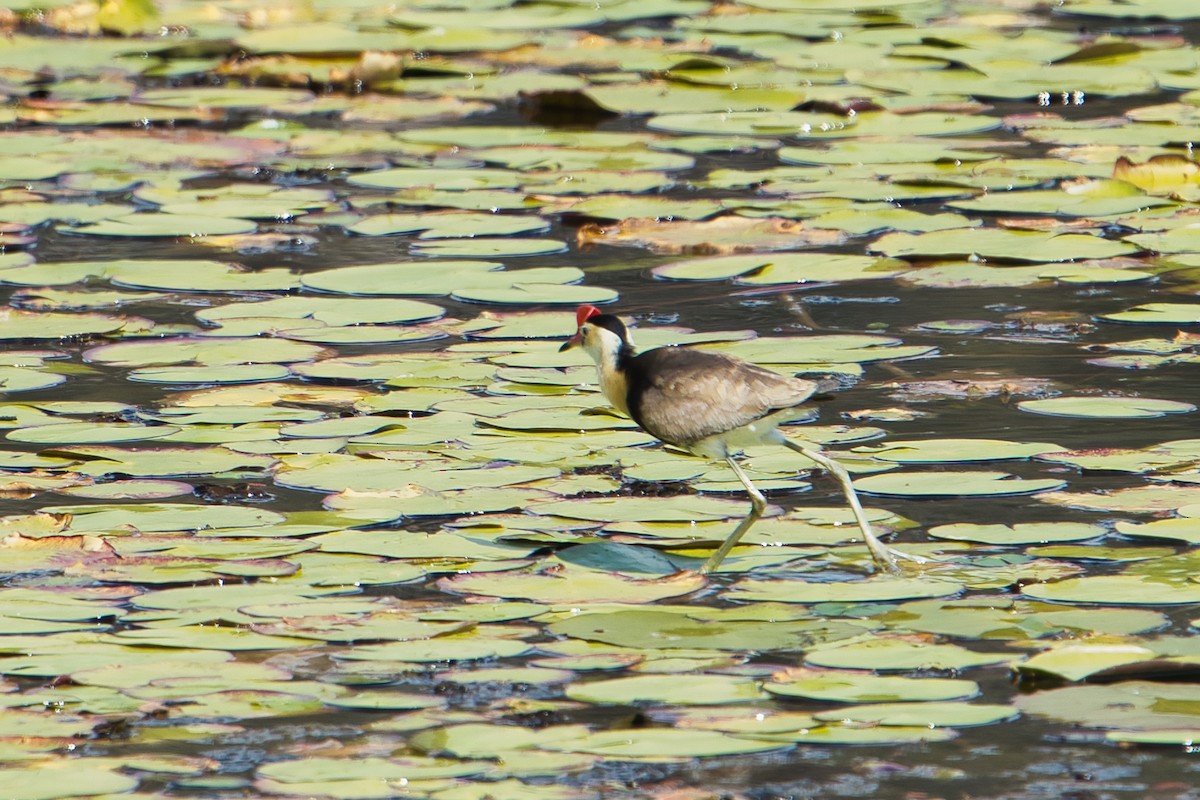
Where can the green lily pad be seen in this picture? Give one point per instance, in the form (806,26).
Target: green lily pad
(1000,244)
(782,268)
(161,517)
(443,179)
(165,225)
(1074,662)
(333,771)
(932,714)
(872,590)
(18,324)
(953,450)
(1184,530)
(953,484)
(1128,705)
(331,311)
(448,225)
(91,432)
(1105,407)
(690,508)
(478,740)
(656,629)
(1115,590)
(870,735)
(50,779)
(444,648)
(861,687)
(898,654)
(572,585)
(1158,314)
(667,689)
(1017,533)
(643,744)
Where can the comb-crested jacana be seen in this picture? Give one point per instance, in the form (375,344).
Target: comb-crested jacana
(709,404)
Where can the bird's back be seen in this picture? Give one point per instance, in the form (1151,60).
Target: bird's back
(684,396)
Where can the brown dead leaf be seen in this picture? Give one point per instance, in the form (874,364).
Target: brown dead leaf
(1160,175)
(34,525)
(84,543)
(1056,224)
(721,236)
(893,414)
(969,389)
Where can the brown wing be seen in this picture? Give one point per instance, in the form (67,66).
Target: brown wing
(682,395)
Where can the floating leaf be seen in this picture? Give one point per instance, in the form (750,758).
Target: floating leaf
(995,243)
(873,590)
(1105,407)
(934,715)
(1075,662)
(1115,590)
(170,225)
(1158,314)
(572,586)
(896,654)
(57,778)
(1017,533)
(953,484)
(729,234)
(654,629)
(861,687)
(661,743)
(667,689)
(782,268)
(954,450)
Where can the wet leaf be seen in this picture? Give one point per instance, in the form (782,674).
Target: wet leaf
(572,585)
(1001,245)
(1019,533)
(934,715)
(898,654)
(955,484)
(878,589)
(1075,662)
(783,268)
(667,689)
(661,743)
(1116,590)
(1105,407)
(48,779)
(953,450)
(727,234)
(861,687)
(651,629)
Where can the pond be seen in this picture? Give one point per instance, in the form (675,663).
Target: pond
(301,498)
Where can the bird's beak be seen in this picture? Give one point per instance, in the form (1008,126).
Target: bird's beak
(574,341)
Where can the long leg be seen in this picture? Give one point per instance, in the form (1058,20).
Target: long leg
(758,504)
(885,557)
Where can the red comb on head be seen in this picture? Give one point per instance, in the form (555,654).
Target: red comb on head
(584,313)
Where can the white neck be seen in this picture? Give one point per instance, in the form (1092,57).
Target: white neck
(604,346)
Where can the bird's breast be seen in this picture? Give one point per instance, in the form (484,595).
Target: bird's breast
(615,385)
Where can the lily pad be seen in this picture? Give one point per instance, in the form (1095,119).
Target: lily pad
(861,687)
(661,743)
(667,689)
(1105,407)
(954,484)
(1116,590)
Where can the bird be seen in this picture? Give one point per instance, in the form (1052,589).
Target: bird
(711,405)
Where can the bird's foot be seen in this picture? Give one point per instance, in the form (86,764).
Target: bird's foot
(887,559)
